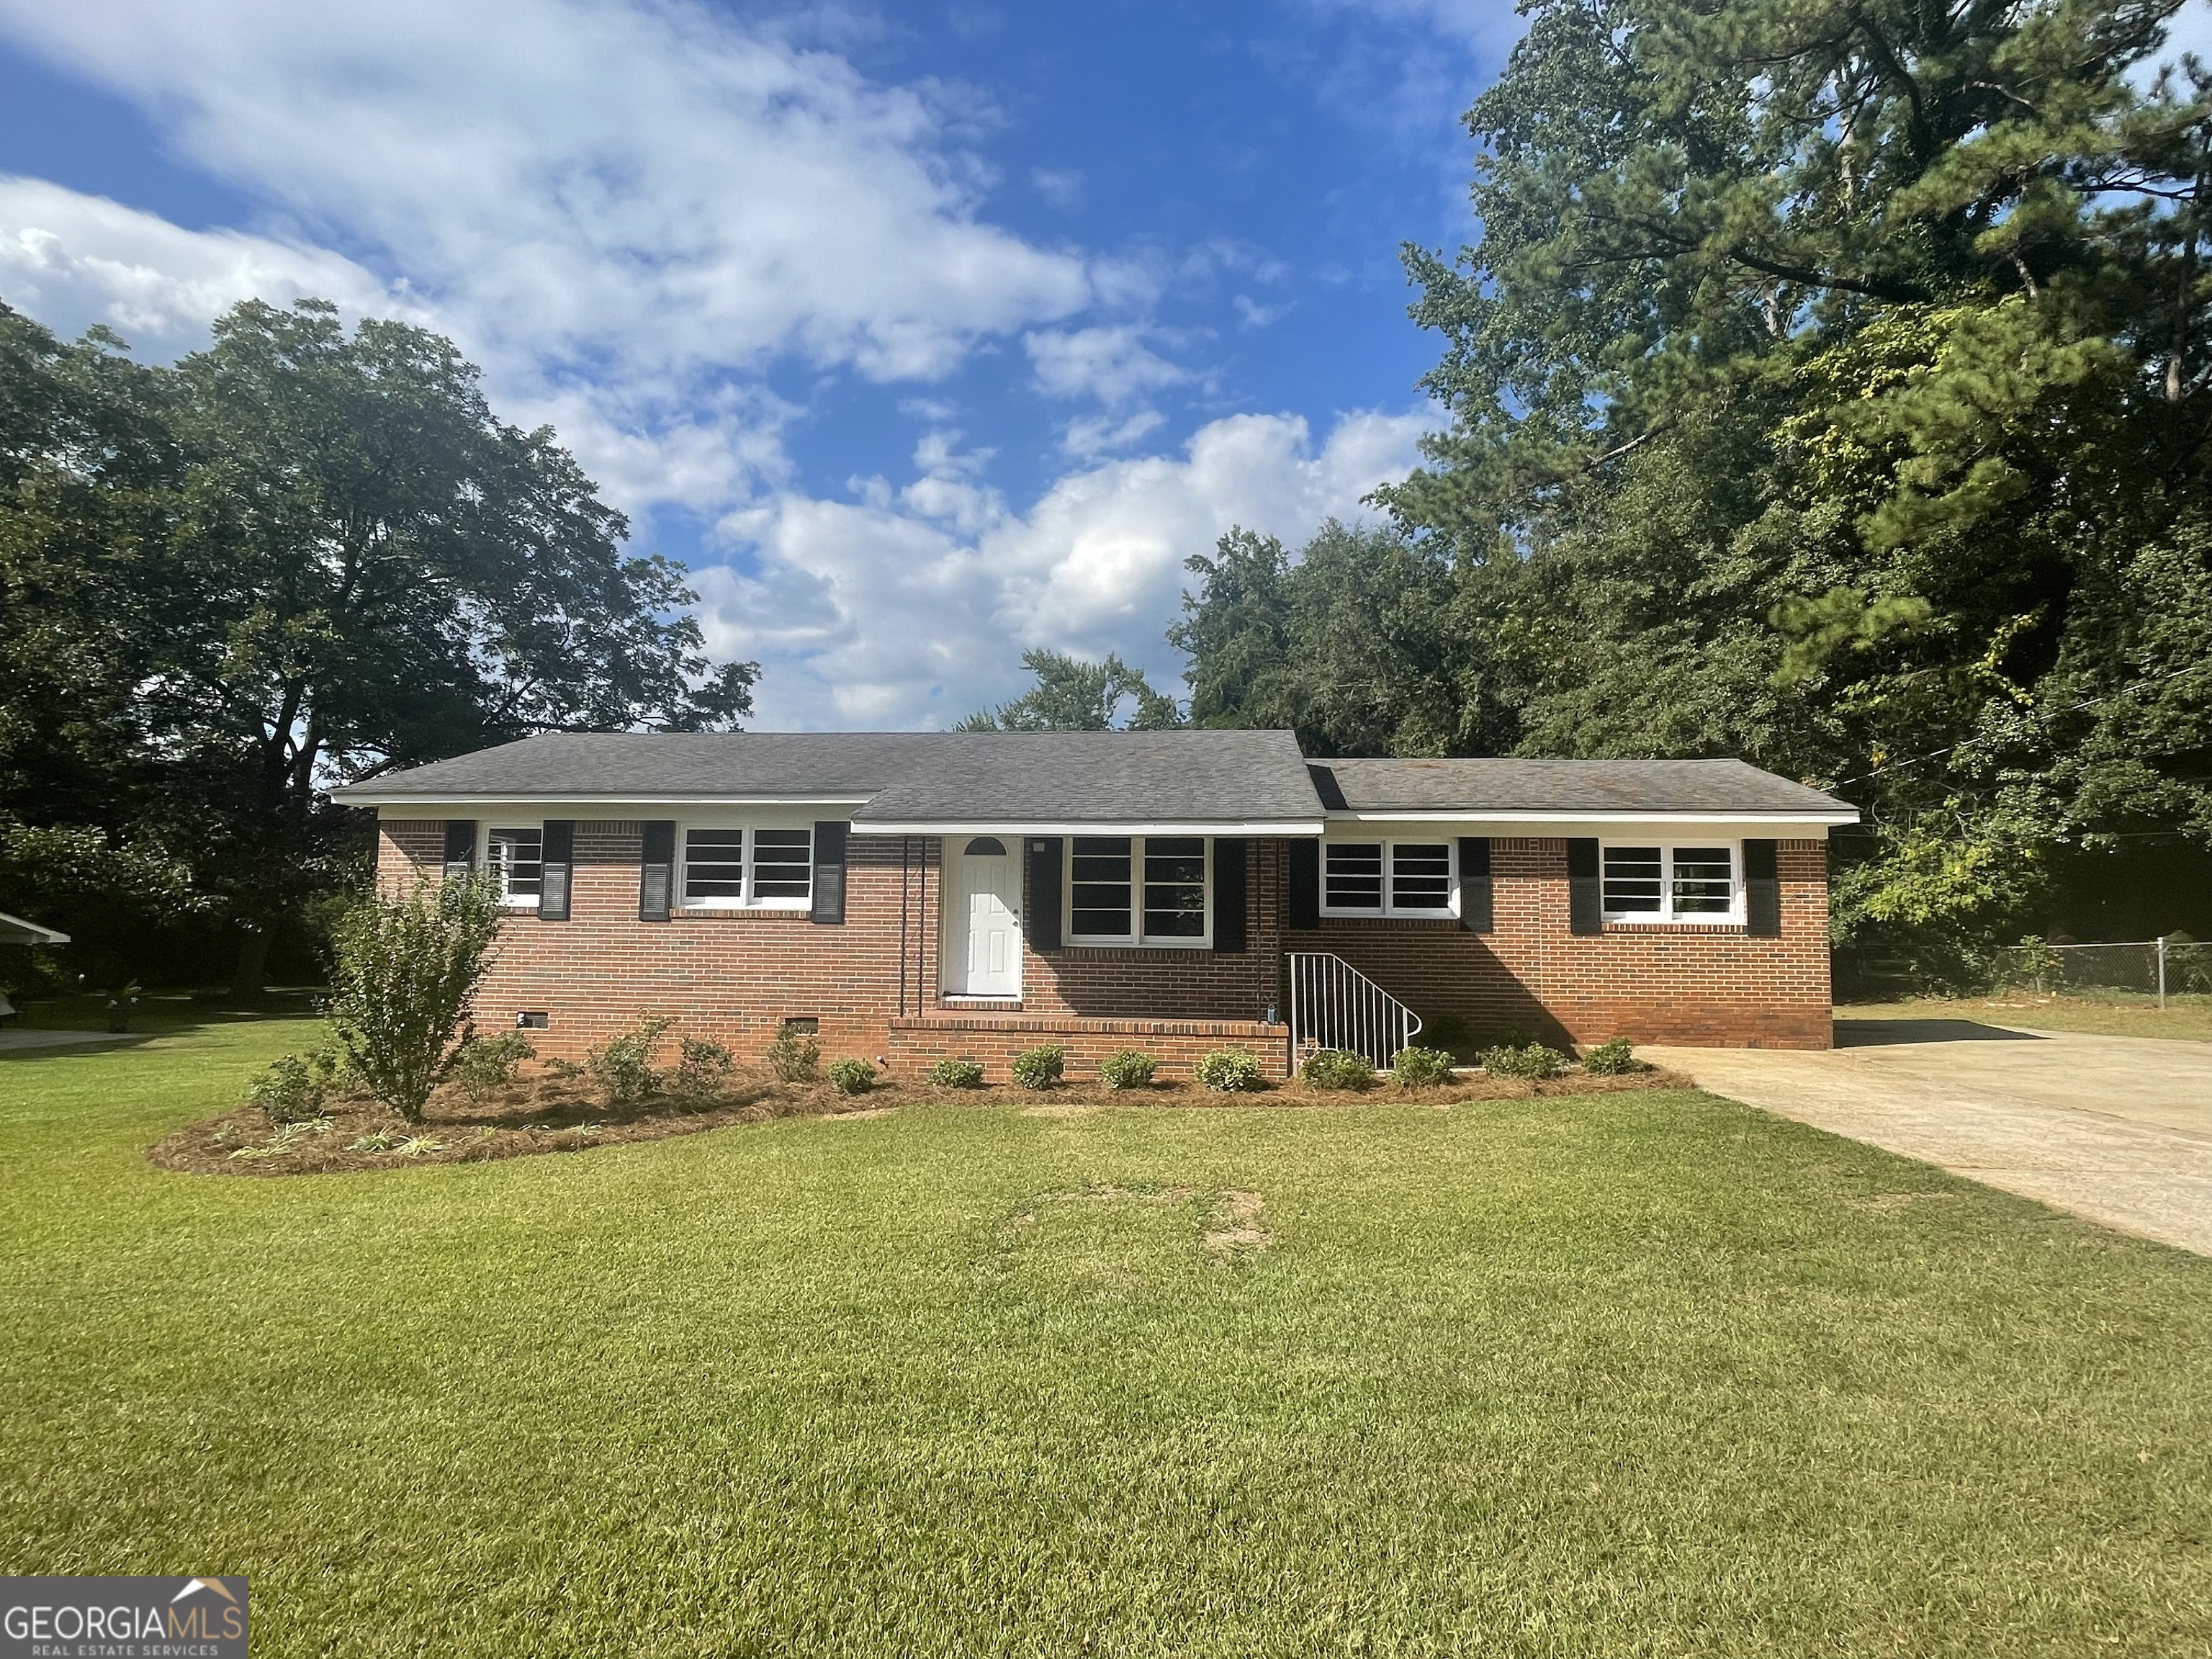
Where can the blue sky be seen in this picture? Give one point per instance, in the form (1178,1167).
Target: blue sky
(923,333)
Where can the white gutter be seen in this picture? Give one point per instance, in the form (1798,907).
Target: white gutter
(606,806)
(988,827)
(1654,819)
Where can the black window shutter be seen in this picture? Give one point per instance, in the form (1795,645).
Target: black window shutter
(560,855)
(1305,885)
(1043,921)
(1476,912)
(829,874)
(1585,893)
(460,848)
(1762,891)
(1230,858)
(656,873)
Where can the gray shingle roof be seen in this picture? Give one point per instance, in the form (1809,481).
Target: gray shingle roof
(1107,777)
(1565,788)
(626,765)
(998,777)
(1009,778)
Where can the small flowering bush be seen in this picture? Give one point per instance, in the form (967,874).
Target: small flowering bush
(1231,1071)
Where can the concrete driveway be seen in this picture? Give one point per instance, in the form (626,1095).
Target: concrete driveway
(2115,1129)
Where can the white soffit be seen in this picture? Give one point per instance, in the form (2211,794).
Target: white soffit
(1792,825)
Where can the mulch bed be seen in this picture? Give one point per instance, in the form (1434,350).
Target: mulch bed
(548,1114)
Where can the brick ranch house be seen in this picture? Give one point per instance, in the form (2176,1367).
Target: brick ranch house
(919,895)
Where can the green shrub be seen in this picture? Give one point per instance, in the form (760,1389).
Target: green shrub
(1532,1060)
(705,1068)
(1420,1068)
(622,1066)
(401,974)
(1613,1059)
(1231,1071)
(1337,1068)
(795,1056)
(287,1092)
(484,1064)
(1132,1068)
(955,1074)
(1041,1068)
(852,1076)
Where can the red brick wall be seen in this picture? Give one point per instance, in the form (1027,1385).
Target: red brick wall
(1105,983)
(736,976)
(1176,1044)
(1697,985)
(733,976)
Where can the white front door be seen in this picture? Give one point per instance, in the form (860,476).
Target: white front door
(983,922)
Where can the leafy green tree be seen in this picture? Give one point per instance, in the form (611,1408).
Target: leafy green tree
(1072,695)
(1354,646)
(1830,384)
(304,555)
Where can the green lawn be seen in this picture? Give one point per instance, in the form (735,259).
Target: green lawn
(1624,1375)
(2104,1013)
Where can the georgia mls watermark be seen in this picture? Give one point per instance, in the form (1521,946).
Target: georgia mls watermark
(123,1618)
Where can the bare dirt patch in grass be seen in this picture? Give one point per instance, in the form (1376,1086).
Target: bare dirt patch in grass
(1234,1229)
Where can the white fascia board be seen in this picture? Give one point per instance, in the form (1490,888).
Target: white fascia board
(605,808)
(13,930)
(1000,827)
(1654,820)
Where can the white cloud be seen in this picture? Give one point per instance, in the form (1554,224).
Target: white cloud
(1250,314)
(1090,436)
(2188,30)
(628,213)
(882,610)
(584,180)
(625,213)
(1112,364)
(1061,187)
(71,260)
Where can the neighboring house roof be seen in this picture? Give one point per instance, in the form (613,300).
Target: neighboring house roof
(1568,788)
(910,781)
(13,930)
(1212,782)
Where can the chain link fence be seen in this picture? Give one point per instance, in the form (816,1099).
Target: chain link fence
(2173,965)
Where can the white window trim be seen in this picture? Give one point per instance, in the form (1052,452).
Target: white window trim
(1666,915)
(513,901)
(751,829)
(1390,910)
(1137,940)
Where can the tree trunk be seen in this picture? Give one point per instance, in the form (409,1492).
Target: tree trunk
(250,974)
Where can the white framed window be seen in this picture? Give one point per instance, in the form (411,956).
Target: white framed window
(1141,889)
(1390,879)
(1649,883)
(747,868)
(514,863)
